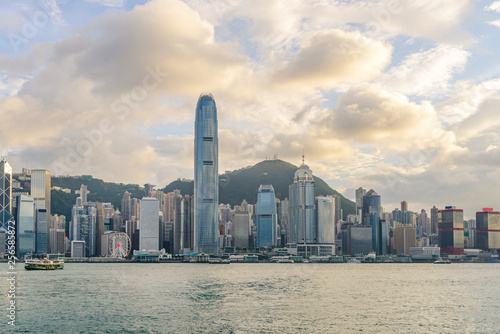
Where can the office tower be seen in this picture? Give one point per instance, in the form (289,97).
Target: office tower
(372,211)
(41,224)
(404,238)
(83,192)
(357,239)
(40,189)
(57,241)
(206,178)
(338,207)
(434,220)
(404,206)
(176,212)
(104,213)
(240,229)
(371,205)
(451,231)
(5,200)
(360,192)
(266,216)
(149,224)
(488,229)
(325,207)
(187,208)
(40,192)
(183,214)
(84,226)
(25,234)
(126,209)
(301,206)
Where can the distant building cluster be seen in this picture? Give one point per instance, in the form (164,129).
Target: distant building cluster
(304,224)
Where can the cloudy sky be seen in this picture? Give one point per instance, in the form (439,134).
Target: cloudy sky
(399,96)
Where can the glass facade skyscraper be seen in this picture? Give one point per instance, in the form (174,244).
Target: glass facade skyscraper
(266,216)
(206,178)
(451,231)
(325,217)
(302,207)
(25,234)
(488,229)
(5,197)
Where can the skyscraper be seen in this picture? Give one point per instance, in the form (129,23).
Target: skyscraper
(451,231)
(404,206)
(40,189)
(40,192)
(206,178)
(25,234)
(266,216)
(149,224)
(302,207)
(434,220)
(5,198)
(372,211)
(325,219)
(488,229)
(360,192)
(240,229)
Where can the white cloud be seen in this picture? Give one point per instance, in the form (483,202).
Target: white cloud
(108,3)
(494,7)
(426,73)
(334,57)
(384,119)
(495,23)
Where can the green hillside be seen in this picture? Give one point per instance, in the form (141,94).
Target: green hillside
(243,184)
(235,186)
(100,191)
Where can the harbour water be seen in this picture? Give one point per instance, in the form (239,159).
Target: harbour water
(257,298)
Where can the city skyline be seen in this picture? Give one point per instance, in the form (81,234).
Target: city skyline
(404,109)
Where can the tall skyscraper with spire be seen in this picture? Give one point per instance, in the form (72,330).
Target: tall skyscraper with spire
(206,178)
(302,206)
(5,198)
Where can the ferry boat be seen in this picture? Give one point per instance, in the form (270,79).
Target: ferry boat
(219,261)
(441,261)
(353,260)
(286,261)
(43,264)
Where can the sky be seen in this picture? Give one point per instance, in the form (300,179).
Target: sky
(399,96)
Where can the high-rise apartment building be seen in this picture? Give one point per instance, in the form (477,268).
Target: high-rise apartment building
(206,178)
(488,229)
(302,207)
(451,231)
(266,216)
(434,220)
(404,206)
